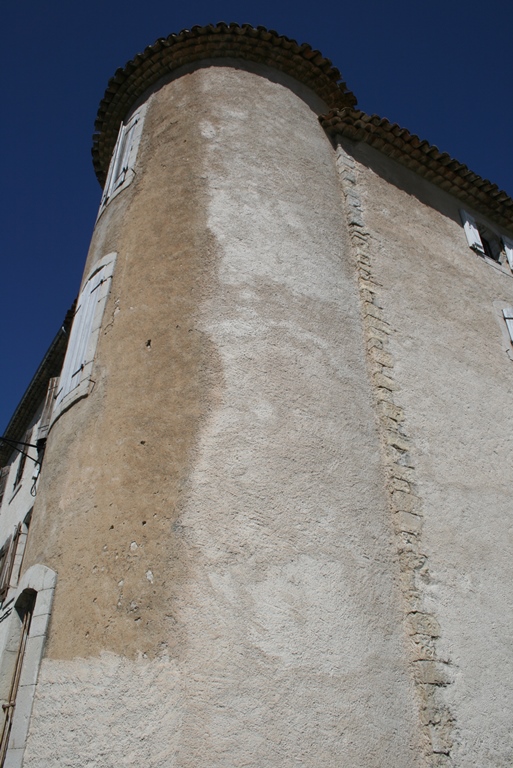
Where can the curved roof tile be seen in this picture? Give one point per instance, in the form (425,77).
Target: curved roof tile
(211,41)
(423,158)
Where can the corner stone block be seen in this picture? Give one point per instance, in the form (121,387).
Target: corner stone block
(404,501)
(32,660)
(384,358)
(424,624)
(21,718)
(431,672)
(384,381)
(43,602)
(14,758)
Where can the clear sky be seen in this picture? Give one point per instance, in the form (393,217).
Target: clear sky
(442,69)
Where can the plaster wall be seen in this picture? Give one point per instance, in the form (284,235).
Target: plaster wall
(214,508)
(454,372)
(16,505)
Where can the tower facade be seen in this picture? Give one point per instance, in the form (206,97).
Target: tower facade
(271,522)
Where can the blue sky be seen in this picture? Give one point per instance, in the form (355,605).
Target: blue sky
(441,69)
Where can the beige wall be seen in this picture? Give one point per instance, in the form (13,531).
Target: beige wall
(454,373)
(215,508)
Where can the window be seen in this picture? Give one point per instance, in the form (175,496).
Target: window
(508,317)
(11,557)
(76,371)
(485,241)
(23,450)
(44,421)
(121,169)
(7,555)
(24,612)
(4,474)
(21,659)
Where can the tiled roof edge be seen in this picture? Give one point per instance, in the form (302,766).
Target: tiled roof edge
(423,158)
(211,41)
(35,393)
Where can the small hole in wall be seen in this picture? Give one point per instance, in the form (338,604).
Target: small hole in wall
(144,522)
(143,442)
(148,344)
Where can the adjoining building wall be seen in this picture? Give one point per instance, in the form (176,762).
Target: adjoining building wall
(450,361)
(214,508)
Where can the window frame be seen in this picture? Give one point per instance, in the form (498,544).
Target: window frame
(37,584)
(84,335)
(121,168)
(472,228)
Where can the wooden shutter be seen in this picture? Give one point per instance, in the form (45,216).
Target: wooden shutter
(4,475)
(9,549)
(113,164)
(508,248)
(76,353)
(23,457)
(5,569)
(44,422)
(123,158)
(472,232)
(25,613)
(508,317)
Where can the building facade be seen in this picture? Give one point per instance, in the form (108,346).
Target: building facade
(273,520)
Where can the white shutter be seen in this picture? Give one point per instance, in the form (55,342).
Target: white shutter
(508,247)
(508,317)
(44,422)
(123,157)
(472,232)
(122,162)
(75,359)
(113,164)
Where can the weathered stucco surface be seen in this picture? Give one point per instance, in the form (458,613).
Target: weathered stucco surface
(215,508)
(454,378)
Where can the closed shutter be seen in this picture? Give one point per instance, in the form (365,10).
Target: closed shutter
(122,161)
(44,422)
(113,164)
(10,549)
(23,447)
(472,232)
(4,474)
(124,155)
(76,353)
(6,567)
(508,317)
(508,248)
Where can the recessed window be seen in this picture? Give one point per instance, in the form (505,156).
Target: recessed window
(121,169)
(75,377)
(23,451)
(4,476)
(26,629)
(486,241)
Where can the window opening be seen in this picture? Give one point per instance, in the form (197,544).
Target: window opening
(121,168)
(4,475)
(78,363)
(25,611)
(485,241)
(23,459)
(8,554)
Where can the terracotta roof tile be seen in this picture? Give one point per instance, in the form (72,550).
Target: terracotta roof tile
(423,158)
(210,41)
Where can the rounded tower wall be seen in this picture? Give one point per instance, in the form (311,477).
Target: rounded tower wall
(216,501)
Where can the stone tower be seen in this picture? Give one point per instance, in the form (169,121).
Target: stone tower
(271,526)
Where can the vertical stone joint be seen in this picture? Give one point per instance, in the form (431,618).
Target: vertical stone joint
(431,674)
